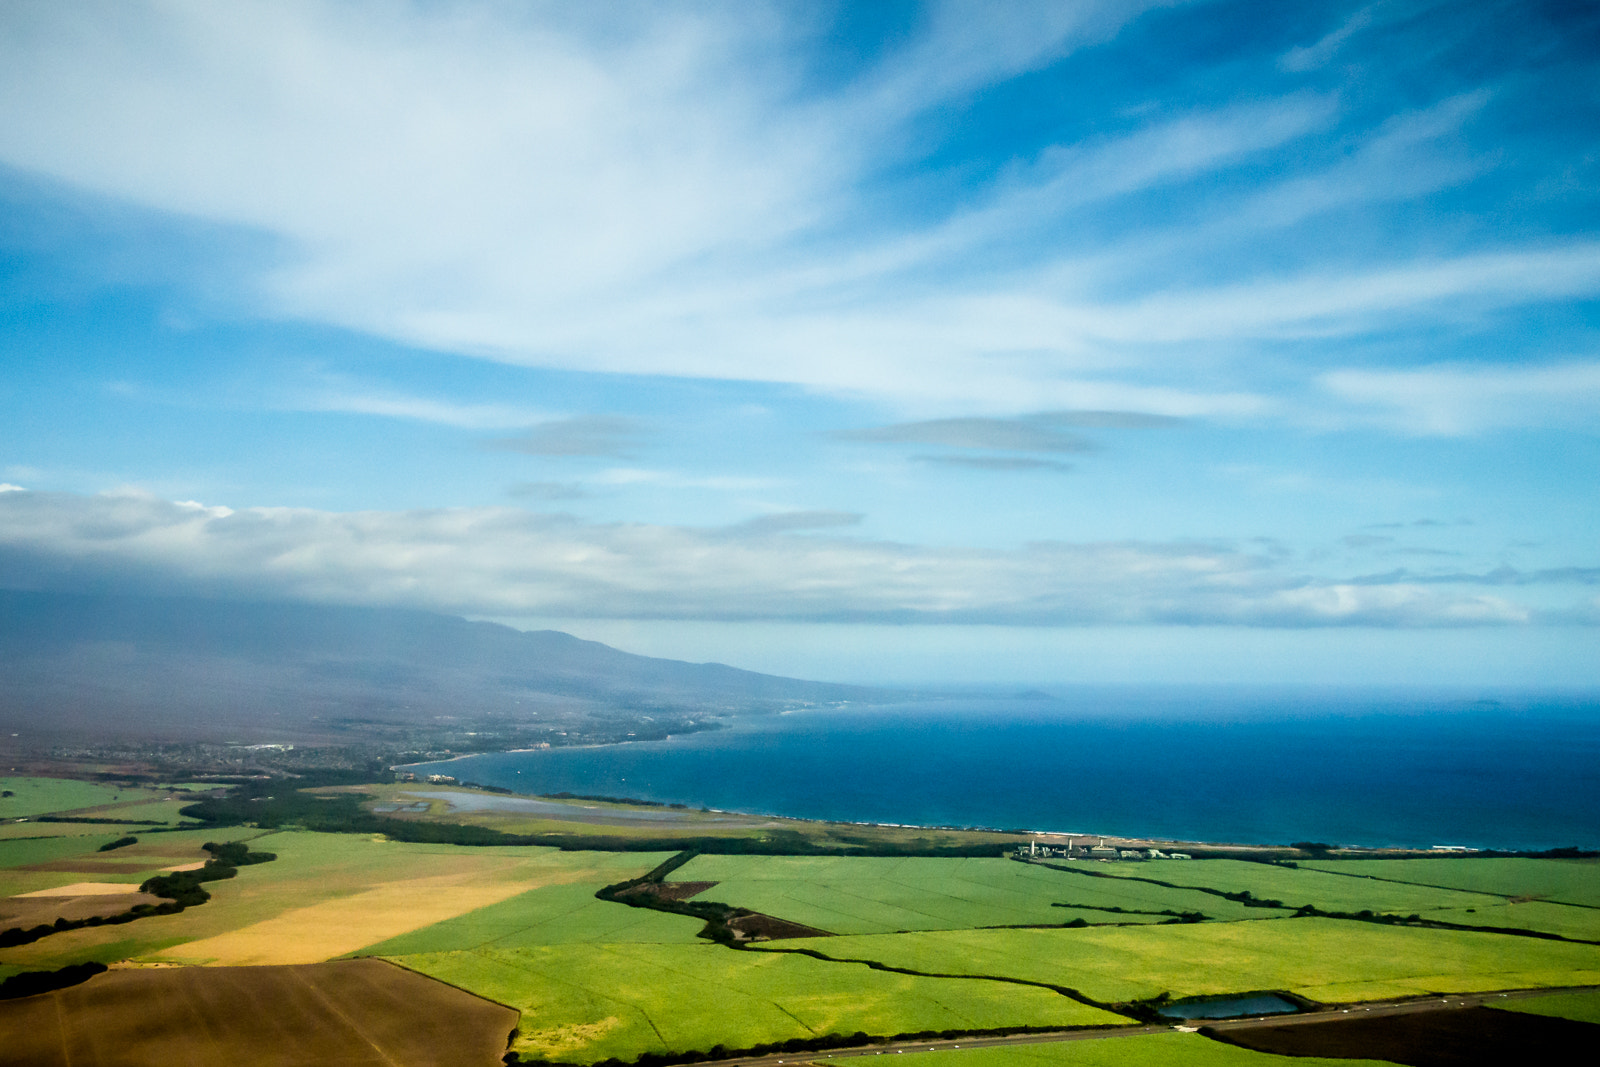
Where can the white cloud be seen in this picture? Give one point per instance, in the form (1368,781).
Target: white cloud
(506,562)
(616,476)
(1310,57)
(1451,399)
(422,409)
(658,189)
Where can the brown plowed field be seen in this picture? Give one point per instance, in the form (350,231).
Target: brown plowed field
(28,912)
(361,1013)
(1469,1037)
(771,928)
(669,890)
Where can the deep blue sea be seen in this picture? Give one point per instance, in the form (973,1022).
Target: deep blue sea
(1499,770)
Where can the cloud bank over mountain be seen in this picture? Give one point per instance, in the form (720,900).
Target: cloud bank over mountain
(506,562)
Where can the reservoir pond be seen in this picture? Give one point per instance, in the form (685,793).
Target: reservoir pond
(1232,1008)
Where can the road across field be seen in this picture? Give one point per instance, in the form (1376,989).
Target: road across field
(1373,1009)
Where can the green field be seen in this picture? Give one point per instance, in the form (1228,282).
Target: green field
(1299,886)
(1329,960)
(1566,920)
(554,915)
(1584,1007)
(862,895)
(1152,1050)
(1563,881)
(17,831)
(42,796)
(583,1003)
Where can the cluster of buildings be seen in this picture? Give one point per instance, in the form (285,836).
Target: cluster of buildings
(1102,851)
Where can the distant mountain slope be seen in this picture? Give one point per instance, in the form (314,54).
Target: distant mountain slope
(159,666)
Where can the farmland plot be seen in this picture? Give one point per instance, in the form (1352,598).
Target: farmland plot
(1329,960)
(552,915)
(862,895)
(325,895)
(363,1013)
(1562,881)
(37,796)
(583,1003)
(1296,886)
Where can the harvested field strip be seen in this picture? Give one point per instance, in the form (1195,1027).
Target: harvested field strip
(1575,882)
(83,889)
(359,1012)
(858,895)
(336,927)
(669,890)
(1459,1038)
(581,1004)
(1325,960)
(1152,1050)
(88,866)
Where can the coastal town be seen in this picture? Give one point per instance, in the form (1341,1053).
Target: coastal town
(1100,851)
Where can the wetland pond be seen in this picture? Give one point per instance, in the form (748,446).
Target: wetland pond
(1231,1008)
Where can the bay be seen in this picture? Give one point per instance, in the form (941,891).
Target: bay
(1350,767)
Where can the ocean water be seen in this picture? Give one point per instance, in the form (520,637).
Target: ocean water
(1514,771)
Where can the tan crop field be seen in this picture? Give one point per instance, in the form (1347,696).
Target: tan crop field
(324,896)
(336,927)
(355,1013)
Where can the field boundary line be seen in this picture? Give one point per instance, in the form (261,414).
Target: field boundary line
(395,963)
(355,1028)
(1065,991)
(1375,918)
(61,1029)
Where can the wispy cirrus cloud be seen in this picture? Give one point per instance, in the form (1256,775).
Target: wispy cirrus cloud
(996,463)
(1452,399)
(420,408)
(1036,434)
(679,192)
(497,561)
(612,436)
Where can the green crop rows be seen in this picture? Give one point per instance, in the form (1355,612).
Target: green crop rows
(860,895)
(583,1003)
(1328,960)
(1563,881)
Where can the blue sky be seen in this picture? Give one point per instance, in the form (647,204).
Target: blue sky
(978,342)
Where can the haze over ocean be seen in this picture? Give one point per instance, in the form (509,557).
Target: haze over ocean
(1509,770)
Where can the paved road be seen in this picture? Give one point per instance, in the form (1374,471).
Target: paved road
(1408,1006)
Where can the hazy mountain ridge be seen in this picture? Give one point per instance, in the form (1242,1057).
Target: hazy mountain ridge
(155,666)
